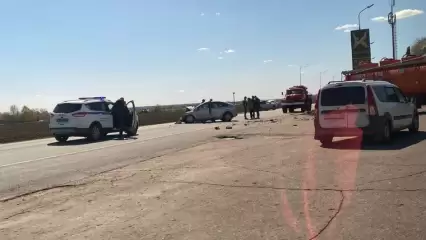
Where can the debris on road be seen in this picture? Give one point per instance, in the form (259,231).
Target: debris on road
(217,128)
(228,127)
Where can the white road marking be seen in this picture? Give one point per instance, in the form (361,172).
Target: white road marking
(93,149)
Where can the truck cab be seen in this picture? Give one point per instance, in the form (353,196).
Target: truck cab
(296,97)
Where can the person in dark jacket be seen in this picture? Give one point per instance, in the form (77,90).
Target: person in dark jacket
(120,114)
(257,107)
(245,107)
(250,106)
(210,106)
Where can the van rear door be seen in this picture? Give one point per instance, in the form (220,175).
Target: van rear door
(343,106)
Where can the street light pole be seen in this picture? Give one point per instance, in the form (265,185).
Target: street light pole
(300,73)
(233,96)
(359,15)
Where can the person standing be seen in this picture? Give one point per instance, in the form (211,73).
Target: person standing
(250,107)
(210,106)
(245,107)
(257,108)
(120,115)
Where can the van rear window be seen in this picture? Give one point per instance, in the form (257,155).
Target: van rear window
(67,108)
(342,96)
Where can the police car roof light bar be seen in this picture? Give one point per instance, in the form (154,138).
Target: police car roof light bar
(88,98)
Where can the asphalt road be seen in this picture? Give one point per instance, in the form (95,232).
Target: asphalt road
(30,165)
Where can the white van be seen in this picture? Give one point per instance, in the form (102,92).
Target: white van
(364,108)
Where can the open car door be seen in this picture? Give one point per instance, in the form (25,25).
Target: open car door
(133,128)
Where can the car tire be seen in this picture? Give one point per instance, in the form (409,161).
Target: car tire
(61,139)
(309,107)
(386,134)
(284,110)
(291,110)
(414,127)
(95,132)
(227,117)
(326,140)
(133,131)
(189,119)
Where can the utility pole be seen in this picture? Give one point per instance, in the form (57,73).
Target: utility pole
(300,73)
(392,23)
(233,96)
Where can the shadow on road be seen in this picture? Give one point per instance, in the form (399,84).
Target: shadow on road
(400,141)
(84,141)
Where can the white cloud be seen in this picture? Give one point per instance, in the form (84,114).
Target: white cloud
(220,58)
(348,30)
(203,49)
(346,27)
(181,91)
(267,61)
(229,51)
(406,13)
(218,14)
(202,14)
(291,65)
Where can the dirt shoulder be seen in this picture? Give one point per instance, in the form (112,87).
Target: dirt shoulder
(225,189)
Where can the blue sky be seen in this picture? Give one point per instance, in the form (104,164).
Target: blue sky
(147,50)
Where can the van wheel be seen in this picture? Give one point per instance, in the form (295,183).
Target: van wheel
(414,127)
(326,140)
(291,110)
(386,134)
(284,110)
(61,139)
(95,132)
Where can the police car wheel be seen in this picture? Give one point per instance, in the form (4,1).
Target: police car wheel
(95,132)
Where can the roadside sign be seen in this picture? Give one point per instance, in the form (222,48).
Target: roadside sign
(360,45)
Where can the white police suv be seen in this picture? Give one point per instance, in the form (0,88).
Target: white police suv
(88,117)
(364,108)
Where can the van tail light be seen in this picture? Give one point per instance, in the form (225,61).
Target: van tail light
(79,114)
(372,106)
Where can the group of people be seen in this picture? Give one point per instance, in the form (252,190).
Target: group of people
(251,105)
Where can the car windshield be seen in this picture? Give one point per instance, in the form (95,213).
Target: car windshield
(294,91)
(341,96)
(67,107)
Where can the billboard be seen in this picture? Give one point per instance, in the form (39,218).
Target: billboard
(360,45)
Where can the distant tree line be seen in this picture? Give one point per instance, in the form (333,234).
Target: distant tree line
(25,114)
(419,46)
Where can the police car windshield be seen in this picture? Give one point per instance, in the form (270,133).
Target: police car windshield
(67,107)
(341,96)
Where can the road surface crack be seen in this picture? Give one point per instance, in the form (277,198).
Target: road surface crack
(395,178)
(296,189)
(4,200)
(339,209)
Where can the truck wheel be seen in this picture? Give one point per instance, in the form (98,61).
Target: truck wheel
(61,139)
(309,107)
(284,110)
(291,110)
